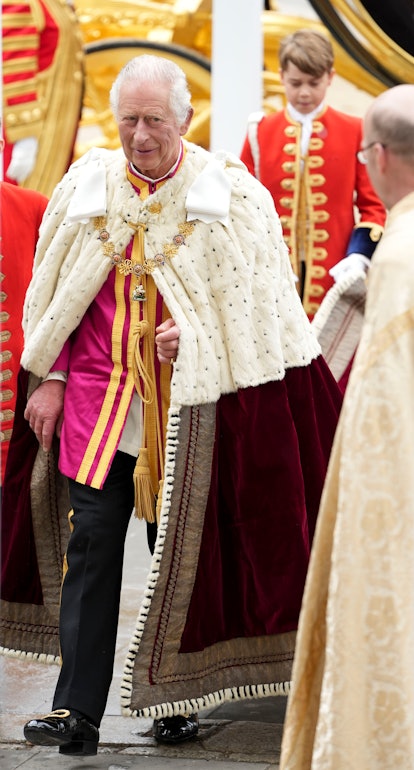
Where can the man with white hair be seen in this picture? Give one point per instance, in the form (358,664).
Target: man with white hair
(352,702)
(184,379)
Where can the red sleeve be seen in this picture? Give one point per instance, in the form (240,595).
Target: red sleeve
(246,156)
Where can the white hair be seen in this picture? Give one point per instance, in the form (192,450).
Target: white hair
(155,69)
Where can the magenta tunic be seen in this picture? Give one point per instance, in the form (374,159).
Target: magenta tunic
(100,387)
(99,357)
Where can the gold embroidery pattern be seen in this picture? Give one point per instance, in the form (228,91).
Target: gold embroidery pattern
(315,143)
(319,253)
(292,131)
(127,266)
(317,180)
(315,161)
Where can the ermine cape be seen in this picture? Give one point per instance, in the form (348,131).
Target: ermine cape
(252,416)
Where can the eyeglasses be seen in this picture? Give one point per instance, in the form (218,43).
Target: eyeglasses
(361,154)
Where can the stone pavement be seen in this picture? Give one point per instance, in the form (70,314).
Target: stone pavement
(246,733)
(243,732)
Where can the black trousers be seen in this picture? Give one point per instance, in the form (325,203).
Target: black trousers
(91,589)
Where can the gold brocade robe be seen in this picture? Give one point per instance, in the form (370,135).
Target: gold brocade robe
(352,702)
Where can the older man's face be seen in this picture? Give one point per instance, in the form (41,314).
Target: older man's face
(148,128)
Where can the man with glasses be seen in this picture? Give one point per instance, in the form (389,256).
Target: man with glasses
(362,154)
(352,703)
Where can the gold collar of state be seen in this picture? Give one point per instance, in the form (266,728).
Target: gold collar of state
(145,265)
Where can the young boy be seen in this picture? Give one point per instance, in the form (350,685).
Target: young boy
(306,155)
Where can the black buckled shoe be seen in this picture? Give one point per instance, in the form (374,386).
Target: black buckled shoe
(175,729)
(73,734)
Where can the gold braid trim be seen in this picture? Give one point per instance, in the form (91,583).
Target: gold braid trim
(147,484)
(151,455)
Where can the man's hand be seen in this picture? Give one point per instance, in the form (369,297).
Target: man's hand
(44,411)
(166,340)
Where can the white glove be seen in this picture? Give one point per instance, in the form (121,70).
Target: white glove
(352,262)
(23,159)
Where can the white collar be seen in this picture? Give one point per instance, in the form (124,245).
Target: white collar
(169,173)
(300,117)
(208,198)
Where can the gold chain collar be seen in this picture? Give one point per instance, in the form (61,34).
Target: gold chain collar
(128,266)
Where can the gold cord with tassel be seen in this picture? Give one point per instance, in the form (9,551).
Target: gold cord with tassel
(144,491)
(147,485)
(150,463)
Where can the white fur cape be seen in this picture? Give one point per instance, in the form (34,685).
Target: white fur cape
(229,288)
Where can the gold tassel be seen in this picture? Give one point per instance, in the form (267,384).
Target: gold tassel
(144,491)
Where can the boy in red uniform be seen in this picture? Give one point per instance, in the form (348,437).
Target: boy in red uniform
(306,156)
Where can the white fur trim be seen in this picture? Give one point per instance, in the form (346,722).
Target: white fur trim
(230,289)
(38,657)
(193,705)
(332,297)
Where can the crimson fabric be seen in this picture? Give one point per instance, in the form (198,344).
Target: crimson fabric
(20,580)
(262,507)
(343,380)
